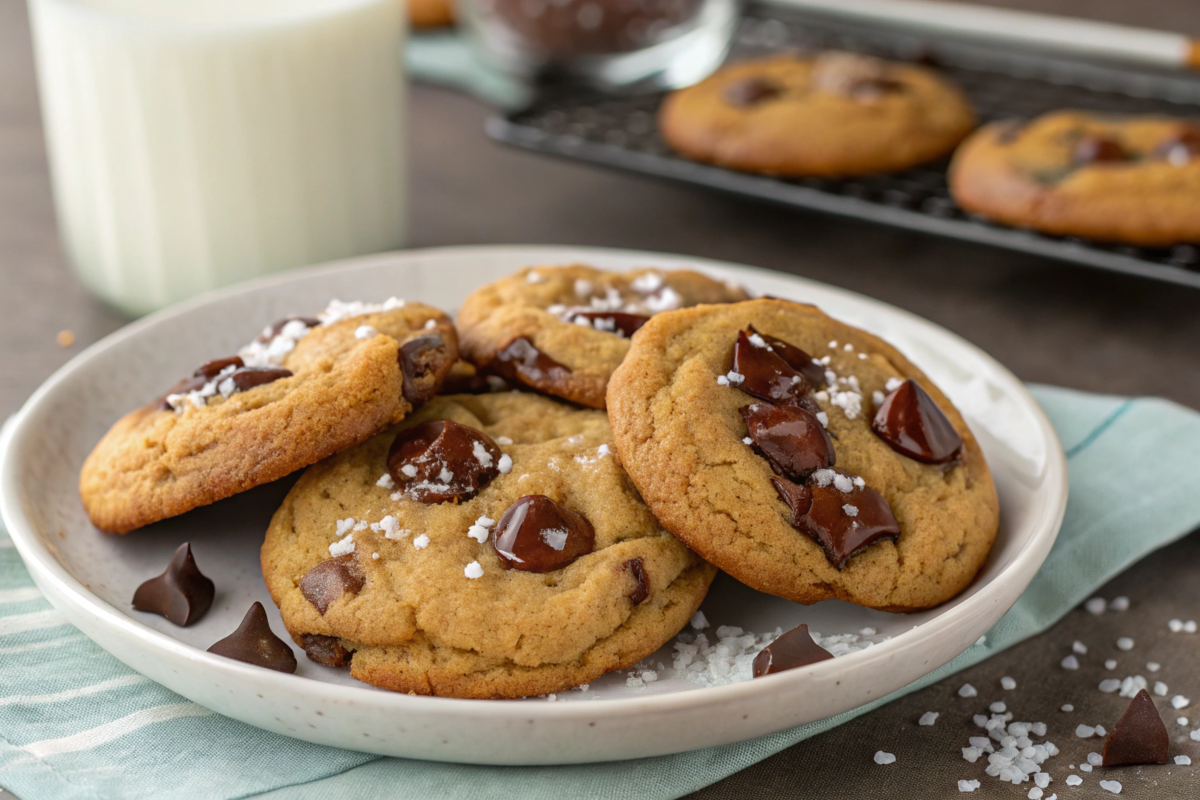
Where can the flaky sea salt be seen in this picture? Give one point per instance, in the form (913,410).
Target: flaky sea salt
(1125,643)
(968,786)
(699,621)
(365,332)
(1179,701)
(1109,685)
(1074,780)
(928,718)
(1085,731)
(1111,786)
(1160,689)
(1119,604)
(882,757)
(1153,666)
(1070,662)
(967,690)
(1110,663)
(1183,761)
(505,464)
(473,570)
(1079,647)
(1067,707)
(342,547)
(1008,683)
(385,481)
(421,542)
(1096,605)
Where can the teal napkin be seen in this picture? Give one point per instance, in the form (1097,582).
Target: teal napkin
(76,723)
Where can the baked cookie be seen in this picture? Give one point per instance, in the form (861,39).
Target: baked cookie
(491,546)
(833,115)
(1074,173)
(563,330)
(303,390)
(849,477)
(430,13)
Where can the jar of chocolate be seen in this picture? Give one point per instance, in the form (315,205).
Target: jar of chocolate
(612,44)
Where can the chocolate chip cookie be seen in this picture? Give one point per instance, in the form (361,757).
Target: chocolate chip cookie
(836,114)
(303,390)
(1074,173)
(804,457)
(490,546)
(563,330)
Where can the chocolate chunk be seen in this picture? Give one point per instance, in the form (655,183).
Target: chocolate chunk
(748,92)
(792,440)
(212,369)
(519,361)
(1182,147)
(439,461)
(793,649)
(326,650)
(797,496)
(1139,737)
(417,357)
(248,377)
(913,425)
(473,383)
(181,594)
(276,328)
(326,582)
(254,643)
(1094,149)
(766,375)
(536,534)
(844,517)
(617,322)
(796,358)
(637,568)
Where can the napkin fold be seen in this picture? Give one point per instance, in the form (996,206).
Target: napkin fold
(77,723)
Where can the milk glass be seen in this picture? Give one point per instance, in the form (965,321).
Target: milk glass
(194,143)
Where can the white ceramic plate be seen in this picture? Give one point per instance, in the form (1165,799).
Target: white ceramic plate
(90,577)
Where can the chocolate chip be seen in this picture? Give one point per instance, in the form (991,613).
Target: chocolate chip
(1139,737)
(797,496)
(844,522)
(441,460)
(748,92)
(276,328)
(254,643)
(181,594)
(796,358)
(768,376)
(326,582)
(417,357)
(249,377)
(212,369)
(637,568)
(519,361)
(913,425)
(793,649)
(1093,149)
(536,534)
(617,322)
(327,650)
(792,440)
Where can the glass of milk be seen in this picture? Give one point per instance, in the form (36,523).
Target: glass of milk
(194,143)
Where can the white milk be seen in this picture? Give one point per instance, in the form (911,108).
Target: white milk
(194,143)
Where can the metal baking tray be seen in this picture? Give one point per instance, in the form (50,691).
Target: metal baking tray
(620,131)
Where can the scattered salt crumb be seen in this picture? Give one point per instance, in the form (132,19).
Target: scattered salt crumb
(849,348)
(1067,707)
(1195,735)
(1110,663)
(534,277)
(884,758)
(1176,625)
(409,470)
(1183,761)
(473,570)
(1035,794)
(759,342)
(478,533)
(421,542)
(504,464)
(968,786)
(1160,689)
(1132,685)
(65,338)
(344,526)
(375,556)
(342,546)
(503,440)
(1042,779)
(928,718)
(997,707)
(1111,786)
(1179,701)
(1096,605)
(1125,643)
(361,525)
(1085,731)
(980,720)
(982,640)
(1095,759)
(365,332)
(893,384)
(1119,603)
(967,690)
(1079,647)
(699,621)
(1109,685)
(850,511)
(747,440)
(1100,731)
(862,356)
(867,632)
(552,697)
(1085,767)
(833,345)
(1070,662)
(385,481)
(1153,666)
(1181,721)
(1074,780)
(1008,683)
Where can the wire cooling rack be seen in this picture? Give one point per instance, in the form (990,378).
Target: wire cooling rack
(620,132)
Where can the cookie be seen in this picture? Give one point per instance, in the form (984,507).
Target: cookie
(305,389)
(834,115)
(563,330)
(491,546)
(430,13)
(1073,173)
(848,477)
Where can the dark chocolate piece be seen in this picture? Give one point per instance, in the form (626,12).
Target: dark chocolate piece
(248,377)
(326,582)
(913,425)
(792,440)
(793,649)
(417,357)
(439,461)
(181,594)
(618,322)
(797,496)
(254,643)
(767,376)
(520,362)
(845,522)
(637,568)
(751,91)
(475,383)
(536,534)
(1095,149)
(276,328)
(1139,737)
(212,369)
(326,650)
(796,358)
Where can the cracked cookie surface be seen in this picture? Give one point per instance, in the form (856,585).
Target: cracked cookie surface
(679,430)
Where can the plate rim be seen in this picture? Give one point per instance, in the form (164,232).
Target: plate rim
(46,569)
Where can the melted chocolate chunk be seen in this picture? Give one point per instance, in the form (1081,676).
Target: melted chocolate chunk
(793,649)
(439,461)
(326,582)
(417,357)
(796,358)
(276,328)
(913,425)
(750,92)
(326,650)
(792,440)
(536,534)
(637,568)
(254,643)
(1095,149)
(519,361)
(1139,737)
(181,594)
(475,383)
(797,496)
(618,322)
(212,369)
(845,522)
(248,377)
(768,376)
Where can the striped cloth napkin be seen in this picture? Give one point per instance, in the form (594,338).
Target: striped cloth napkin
(77,723)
